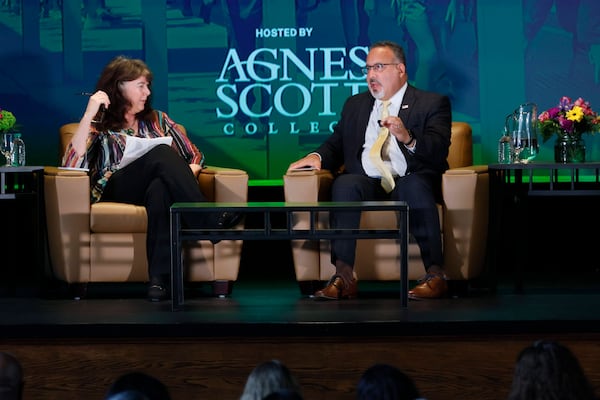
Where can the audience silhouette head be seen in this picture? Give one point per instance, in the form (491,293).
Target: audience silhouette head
(547,370)
(137,386)
(269,377)
(386,382)
(284,394)
(128,395)
(11,377)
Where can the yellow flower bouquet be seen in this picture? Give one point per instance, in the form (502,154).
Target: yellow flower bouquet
(571,118)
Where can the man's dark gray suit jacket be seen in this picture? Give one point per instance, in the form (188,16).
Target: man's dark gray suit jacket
(427,115)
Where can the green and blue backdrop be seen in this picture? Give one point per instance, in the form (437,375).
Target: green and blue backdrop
(260,83)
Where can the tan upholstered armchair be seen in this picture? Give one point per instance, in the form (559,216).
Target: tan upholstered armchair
(106,242)
(463,216)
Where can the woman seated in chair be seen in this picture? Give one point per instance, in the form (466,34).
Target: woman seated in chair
(121,108)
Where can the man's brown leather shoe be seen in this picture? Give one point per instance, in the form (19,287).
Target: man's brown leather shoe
(337,290)
(433,286)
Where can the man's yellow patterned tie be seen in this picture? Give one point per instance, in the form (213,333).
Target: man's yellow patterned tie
(387,180)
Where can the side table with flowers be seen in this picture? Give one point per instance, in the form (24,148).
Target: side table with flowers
(569,121)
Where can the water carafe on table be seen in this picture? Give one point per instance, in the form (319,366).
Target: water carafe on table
(521,125)
(18,155)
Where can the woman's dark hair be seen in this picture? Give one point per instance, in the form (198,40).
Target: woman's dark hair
(386,382)
(122,69)
(547,370)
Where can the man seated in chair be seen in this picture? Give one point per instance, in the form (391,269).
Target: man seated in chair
(392,142)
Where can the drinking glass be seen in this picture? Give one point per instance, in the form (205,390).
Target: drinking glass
(7,147)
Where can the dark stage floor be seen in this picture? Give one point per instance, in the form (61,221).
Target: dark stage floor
(277,307)
(211,345)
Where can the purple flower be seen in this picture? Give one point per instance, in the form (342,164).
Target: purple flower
(553,112)
(566,124)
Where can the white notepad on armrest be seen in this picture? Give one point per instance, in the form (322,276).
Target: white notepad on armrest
(135,147)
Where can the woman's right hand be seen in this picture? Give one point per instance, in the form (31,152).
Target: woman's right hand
(79,139)
(98,99)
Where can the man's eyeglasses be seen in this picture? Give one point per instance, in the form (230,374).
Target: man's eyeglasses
(376,67)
